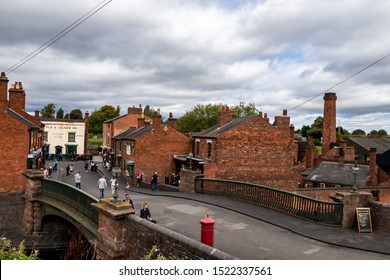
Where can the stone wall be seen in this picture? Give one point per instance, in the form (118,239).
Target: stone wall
(12,207)
(380,215)
(140,236)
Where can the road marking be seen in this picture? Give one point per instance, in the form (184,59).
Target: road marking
(314,250)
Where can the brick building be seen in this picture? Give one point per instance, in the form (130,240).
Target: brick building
(21,137)
(150,147)
(249,149)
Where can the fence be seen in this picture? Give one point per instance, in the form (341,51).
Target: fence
(330,213)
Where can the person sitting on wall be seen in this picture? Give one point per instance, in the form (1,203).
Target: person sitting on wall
(145,213)
(128,200)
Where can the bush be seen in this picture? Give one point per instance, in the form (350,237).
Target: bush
(7,252)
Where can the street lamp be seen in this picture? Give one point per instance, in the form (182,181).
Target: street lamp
(355,172)
(190,155)
(116,171)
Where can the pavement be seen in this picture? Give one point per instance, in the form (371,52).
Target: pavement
(233,218)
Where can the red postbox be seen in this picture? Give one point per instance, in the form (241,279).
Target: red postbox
(207,231)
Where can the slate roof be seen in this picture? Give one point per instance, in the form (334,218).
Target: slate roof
(22,119)
(337,173)
(215,131)
(381,144)
(133,133)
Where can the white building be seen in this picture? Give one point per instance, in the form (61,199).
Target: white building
(66,137)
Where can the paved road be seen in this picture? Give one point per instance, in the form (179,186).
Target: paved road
(242,230)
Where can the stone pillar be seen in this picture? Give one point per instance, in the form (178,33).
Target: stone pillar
(187,180)
(351,201)
(32,217)
(110,234)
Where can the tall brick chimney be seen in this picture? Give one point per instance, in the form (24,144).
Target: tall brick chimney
(373,168)
(224,116)
(329,122)
(310,153)
(17,97)
(3,90)
(172,121)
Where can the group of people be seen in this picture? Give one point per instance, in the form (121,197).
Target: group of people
(93,167)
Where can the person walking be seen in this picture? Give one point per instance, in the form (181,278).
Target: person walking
(86,166)
(139,178)
(113,184)
(102,184)
(154,181)
(68,170)
(77,179)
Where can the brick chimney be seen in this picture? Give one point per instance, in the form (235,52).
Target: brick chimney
(329,122)
(157,120)
(134,110)
(36,114)
(310,153)
(17,97)
(3,91)
(283,122)
(224,116)
(373,168)
(172,121)
(140,122)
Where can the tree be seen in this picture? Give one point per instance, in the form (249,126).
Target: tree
(60,114)
(382,133)
(76,114)
(97,118)
(315,130)
(359,132)
(205,116)
(304,130)
(48,111)
(373,133)
(149,111)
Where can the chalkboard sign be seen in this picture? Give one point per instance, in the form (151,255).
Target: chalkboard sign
(363,217)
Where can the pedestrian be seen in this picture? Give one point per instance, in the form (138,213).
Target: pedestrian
(102,184)
(139,178)
(128,200)
(177,180)
(154,181)
(113,184)
(86,166)
(145,213)
(67,170)
(127,178)
(71,168)
(77,179)
(45,173)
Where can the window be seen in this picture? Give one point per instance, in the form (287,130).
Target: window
(45,136)
(209,149)
(197,147)
(71,137)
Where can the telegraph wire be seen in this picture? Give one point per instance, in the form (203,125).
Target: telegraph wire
(343,81)
(53,40)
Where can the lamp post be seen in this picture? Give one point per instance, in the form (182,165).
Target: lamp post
(116,171)
(355,172)
(190,155)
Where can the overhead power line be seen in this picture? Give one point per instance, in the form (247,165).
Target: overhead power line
(64,32)
(343,81)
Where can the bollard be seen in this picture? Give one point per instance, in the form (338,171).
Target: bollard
(207,231)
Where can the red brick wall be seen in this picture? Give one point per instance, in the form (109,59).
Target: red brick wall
(255,152)
(154,152)
(14,139)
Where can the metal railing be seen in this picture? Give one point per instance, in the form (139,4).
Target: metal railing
(71,196)
(330,213)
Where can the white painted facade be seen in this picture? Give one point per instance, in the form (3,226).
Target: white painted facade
(65,136)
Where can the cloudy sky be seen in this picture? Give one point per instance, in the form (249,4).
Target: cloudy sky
(175,54)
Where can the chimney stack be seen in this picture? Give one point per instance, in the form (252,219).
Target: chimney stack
(329,122)
(17,97)
(373,168)
(134,110)
(283,122)
(157,120)
(3,90)
(172,121)
(224,116)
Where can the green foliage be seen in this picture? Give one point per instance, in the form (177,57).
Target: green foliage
(60,114)
(154,254)
(76,114)
(149,111)
(48,111)
(358,132)
(205,116)
(7,252)
(97,118)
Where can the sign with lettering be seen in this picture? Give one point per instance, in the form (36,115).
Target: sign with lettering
(363,216)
